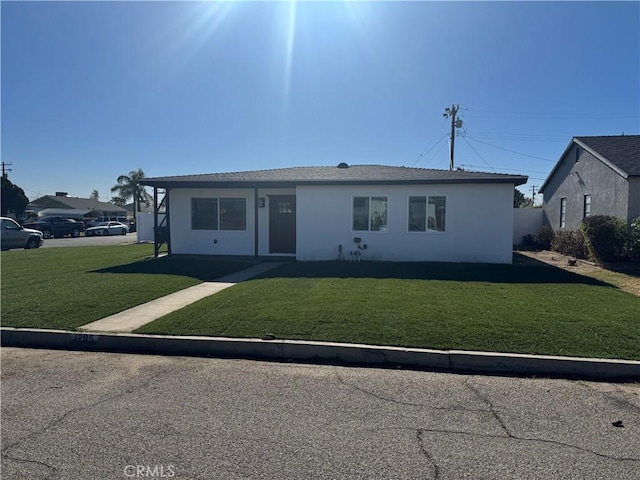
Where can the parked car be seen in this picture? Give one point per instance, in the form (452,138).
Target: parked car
(56,226)
(100,220)
(108,228)
(14,235)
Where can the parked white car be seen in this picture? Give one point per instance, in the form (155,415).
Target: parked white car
(14,235)
(107,228)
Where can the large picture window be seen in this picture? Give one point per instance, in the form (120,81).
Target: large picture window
(427,213)
(218,214)
(370,214)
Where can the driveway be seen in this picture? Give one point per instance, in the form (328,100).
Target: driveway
(78,415)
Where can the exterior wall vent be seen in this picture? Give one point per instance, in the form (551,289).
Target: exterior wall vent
(343,165)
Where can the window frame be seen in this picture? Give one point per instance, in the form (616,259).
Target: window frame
(369,217)
(586,208)
(563,212)
(219,220)
(426,230)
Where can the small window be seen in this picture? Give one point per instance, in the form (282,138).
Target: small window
(587,206)
(370,214)
(218,214)
(578,151)
(204,213)
(233,214)
(563,212)
(427,213)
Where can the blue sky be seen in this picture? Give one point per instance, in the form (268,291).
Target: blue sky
(92,90)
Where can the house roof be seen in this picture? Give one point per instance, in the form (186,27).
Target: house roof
(340,175)
(57,201)
(620,152)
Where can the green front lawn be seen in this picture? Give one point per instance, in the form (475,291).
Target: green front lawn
(64,288)
(507,308)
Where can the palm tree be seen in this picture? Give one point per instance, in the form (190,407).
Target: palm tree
(129,187)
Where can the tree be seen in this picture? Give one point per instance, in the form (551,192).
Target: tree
(94,195)
(520,201)
(129,186)
(119,201)
(13,198)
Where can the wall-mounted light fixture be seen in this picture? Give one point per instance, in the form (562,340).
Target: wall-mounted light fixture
(261,202)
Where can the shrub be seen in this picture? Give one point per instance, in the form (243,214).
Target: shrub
(605,238)
(569,243)
(528,240)
(544,236)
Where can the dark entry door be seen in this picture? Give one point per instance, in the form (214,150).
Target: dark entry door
(282,224)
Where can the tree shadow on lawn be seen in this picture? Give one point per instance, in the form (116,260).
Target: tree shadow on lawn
(205,270)
(529,271)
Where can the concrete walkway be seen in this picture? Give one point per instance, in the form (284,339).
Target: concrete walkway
(136,317)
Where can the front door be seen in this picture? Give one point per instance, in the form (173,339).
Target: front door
(282,224)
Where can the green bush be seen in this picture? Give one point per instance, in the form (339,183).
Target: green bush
(544,236)
(605,238)
(569,243)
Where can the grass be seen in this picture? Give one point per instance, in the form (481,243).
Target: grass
(64,288)
(508,308)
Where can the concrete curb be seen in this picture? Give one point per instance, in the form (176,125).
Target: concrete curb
(321,352)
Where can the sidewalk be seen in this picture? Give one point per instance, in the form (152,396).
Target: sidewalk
(133,318)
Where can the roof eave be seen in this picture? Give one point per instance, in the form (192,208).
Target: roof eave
(159,183)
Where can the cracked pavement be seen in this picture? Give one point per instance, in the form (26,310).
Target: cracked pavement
(79,415)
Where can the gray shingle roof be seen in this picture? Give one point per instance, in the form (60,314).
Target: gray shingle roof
(53,201)
(623,151)
(354,174)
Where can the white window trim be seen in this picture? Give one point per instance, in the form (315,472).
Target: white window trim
(426,230)
(369,196)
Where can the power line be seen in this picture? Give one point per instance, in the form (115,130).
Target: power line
(521,137)
(428,150)
(513,151)
(481,157)
(543,115)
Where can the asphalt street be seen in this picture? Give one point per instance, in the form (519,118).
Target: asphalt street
(80,415)
(90,241)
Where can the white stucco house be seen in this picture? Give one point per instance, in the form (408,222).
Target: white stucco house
(326,213)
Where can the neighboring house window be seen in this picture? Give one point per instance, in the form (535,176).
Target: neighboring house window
(427,213)
(218,214)
(563,212)
(578,151)
(587,206)
(370,214)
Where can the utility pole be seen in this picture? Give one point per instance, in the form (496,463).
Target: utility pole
(532,188)
(451,113)
(5,170)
